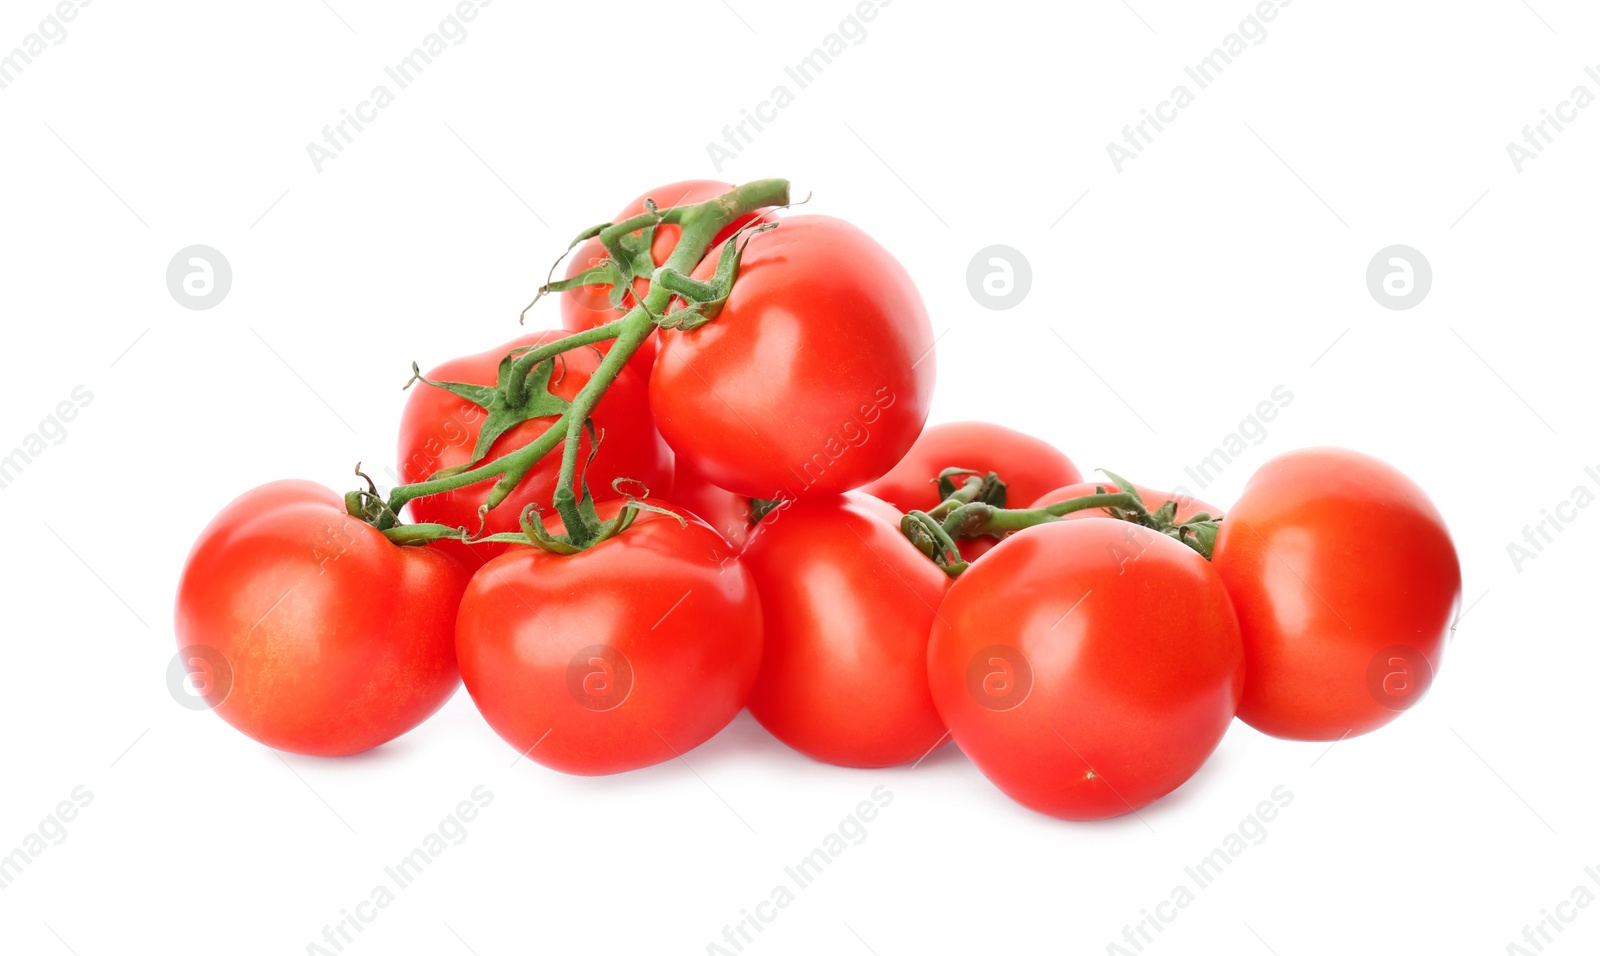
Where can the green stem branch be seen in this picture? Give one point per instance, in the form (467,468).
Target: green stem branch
(700,224)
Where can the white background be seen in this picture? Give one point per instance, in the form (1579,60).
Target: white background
(1171,299)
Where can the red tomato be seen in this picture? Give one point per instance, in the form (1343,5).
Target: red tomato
(588,306)
(621,656)
(1187,507)
(439,430)
(1087,667)
(1346,583)
(312,632)
(816,377)
(848,603)
(1029,466)
(727,513)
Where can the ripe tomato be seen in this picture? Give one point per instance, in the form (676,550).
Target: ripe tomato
(728,514)
(1087,667)
(1346,583)
(848,603)
(618,657)
(816,377)
(588,306)
(313,632)
(1188,507)
(439,430)
(1029,467)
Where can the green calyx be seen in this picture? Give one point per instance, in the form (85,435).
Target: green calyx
(521,393)
(522,390)
(630,256)
(977,508)
(593,532)
(1199,531)
(929,536)
(704,300)
(974,488)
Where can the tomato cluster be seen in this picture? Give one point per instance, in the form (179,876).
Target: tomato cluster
(749,513)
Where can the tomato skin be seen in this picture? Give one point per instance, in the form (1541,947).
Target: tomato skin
(338,640)
(848,603)
(627,654)
(1333,558)
(1029,466)
(1123,659)
(438,430)
(1188,506)
(589,306)
(815,378)
(728,514)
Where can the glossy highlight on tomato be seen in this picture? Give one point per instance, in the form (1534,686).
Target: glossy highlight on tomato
(320,636)
(1346,582)
(814,379)
(624,655)
(1087,667)
(848,602)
